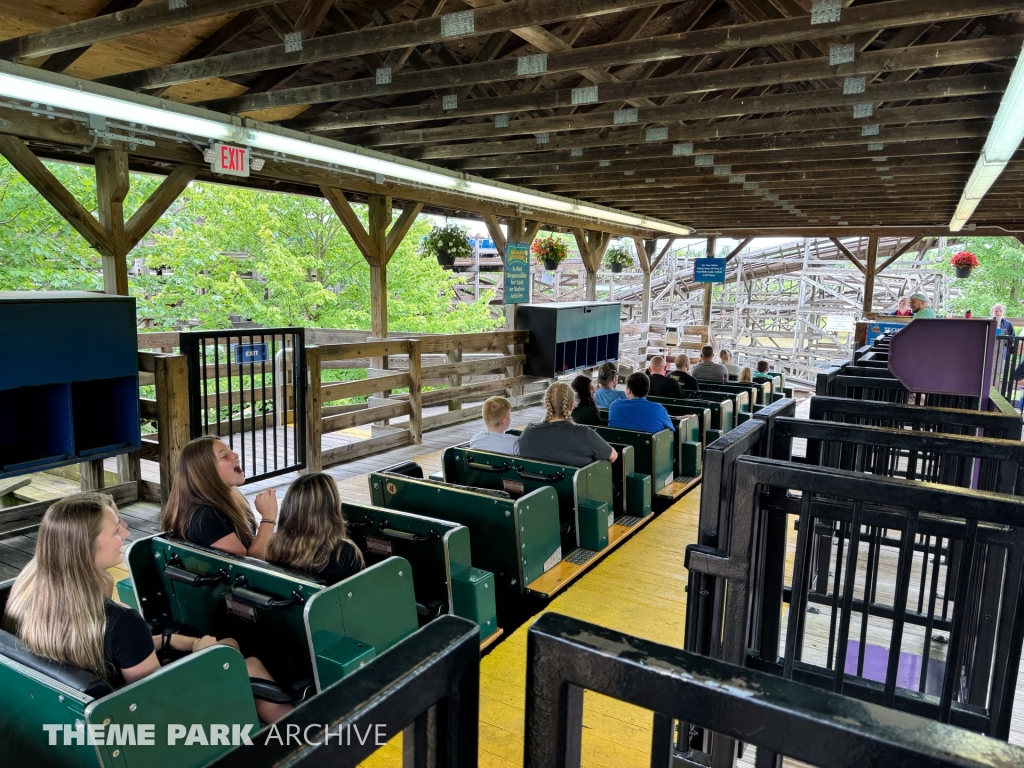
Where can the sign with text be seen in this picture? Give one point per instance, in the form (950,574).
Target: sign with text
(251,353)
(709,270)
(229,160)
(839,323)
(517,273)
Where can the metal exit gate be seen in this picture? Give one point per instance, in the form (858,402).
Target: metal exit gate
(249,387)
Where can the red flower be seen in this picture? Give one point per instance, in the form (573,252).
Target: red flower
(964,260)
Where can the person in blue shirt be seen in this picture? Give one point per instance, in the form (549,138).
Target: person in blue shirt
(636,411)
(606,394)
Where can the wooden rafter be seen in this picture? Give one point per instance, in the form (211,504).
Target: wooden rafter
(846,252)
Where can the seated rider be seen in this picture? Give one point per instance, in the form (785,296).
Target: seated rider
(60,606)
(206,508)
(607,379)
(585,411)
(636,411)
(662,385)
(682,373)
(311,535)
(497,413)
(707,369)
(726,357)
(557,439)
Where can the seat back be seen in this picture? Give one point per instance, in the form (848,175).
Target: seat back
(438,551)
(574,486)
(720,414)
(654,453)
(515,539)
(757,394)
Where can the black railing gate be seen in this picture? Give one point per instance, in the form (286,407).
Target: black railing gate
(249,387)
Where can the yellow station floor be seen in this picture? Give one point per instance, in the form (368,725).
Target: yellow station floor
(638,589)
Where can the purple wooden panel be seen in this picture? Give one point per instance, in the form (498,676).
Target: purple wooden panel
(945,357)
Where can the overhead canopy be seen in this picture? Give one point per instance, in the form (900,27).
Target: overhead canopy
(727,115)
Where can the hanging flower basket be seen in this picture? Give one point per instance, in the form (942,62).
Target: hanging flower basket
(963,262)
(617,257)
(550,251)
(446,244)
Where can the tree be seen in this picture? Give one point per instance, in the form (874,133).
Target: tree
(222,250)
(999,277)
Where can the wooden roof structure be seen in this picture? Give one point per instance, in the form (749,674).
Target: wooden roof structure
(737,117)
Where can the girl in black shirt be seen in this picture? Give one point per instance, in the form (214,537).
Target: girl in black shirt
(585,412)
(311,534)
(60,606)
(206,508)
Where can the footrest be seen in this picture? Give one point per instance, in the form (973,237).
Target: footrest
(628,520)
(581,556)
(677,488)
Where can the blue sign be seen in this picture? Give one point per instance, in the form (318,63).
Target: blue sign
(250,353)
(709,270)
(877,329)
(517,273)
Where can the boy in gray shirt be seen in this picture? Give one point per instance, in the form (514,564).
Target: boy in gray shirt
(497,413)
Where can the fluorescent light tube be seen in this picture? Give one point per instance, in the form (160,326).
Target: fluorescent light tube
(1004,138)
(60,91)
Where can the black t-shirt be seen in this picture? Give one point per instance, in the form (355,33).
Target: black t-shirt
(685,380)
(662,386)
(127,641)
(587,414)
(345,563)
(209,524)
(562,442)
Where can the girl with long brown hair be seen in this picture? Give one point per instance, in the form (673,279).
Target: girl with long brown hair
(311,534)
(206,507)
(557,439)
(60,606)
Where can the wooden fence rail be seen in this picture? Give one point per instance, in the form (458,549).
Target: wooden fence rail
(502,369)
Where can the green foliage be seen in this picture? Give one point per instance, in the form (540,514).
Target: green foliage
(618,254)
(276,259)
(999,277)
(451,239)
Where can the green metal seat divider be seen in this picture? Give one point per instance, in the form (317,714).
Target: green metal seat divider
(585,494)
(633,494)
(517,540)
(444,578)
(689,450)
(719,403)
(654,452)
(218,691)
(265,607)
(719,392)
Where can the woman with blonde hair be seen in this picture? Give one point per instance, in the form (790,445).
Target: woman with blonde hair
(746,375)
(206,508)
(60,606)
(557,439)
(311,535)
(1005,327)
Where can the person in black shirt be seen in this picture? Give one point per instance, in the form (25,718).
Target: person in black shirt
(60,606)
(311,534)
(206,508)
(662,385)
(682,373)
(585,411)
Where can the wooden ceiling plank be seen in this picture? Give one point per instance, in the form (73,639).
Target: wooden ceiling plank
(58,62)
(987,49)
(967,85)
(370,40)
(102,29)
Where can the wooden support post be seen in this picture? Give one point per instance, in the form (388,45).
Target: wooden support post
(415,392)
(173,420)
(710,253)
(454,357)
(592,245)
(92,475)
(869,274)
(314,411)
(111,188)
(644,253)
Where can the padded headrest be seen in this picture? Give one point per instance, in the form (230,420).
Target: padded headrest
(75,678)
(407,468)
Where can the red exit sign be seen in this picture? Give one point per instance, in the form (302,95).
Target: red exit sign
(233,161)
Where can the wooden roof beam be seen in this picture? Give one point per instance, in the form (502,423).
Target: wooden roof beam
(58,62)
(371,40)
(894,13)
(133,21)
